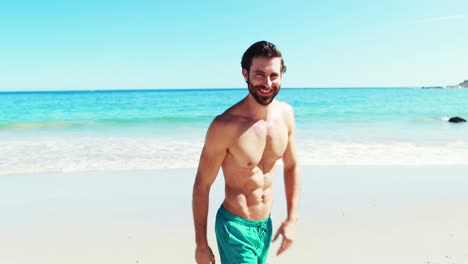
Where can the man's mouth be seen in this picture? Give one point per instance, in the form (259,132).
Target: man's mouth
(265,91)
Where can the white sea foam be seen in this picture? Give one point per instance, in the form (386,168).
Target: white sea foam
(127,153)
(389,153)
(96,154)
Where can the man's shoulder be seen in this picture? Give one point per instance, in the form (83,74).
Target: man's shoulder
(228,119)
(285,108)
(286,112)
(223,129)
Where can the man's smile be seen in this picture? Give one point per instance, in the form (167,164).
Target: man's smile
(265,91)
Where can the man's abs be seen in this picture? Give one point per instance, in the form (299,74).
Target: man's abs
(249,196)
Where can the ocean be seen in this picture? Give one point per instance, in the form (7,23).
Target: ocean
(69,131)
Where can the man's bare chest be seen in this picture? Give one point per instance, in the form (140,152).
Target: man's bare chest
(262,142)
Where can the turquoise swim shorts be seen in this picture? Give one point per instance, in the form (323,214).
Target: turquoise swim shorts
(241,240)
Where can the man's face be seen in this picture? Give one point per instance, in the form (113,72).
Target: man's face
(264,79)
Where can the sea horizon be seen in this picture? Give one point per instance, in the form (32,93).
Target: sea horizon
(68,90)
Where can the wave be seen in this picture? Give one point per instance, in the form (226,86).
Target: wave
(111,122)
(74,154)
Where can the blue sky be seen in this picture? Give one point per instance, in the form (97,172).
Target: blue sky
(68,45)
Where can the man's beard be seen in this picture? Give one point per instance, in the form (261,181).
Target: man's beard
(263,100)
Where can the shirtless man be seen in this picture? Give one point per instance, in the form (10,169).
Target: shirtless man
(246,141)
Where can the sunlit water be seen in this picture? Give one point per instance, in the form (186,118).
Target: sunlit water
(127,130)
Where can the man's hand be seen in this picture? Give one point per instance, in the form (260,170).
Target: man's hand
(204,255)
(288,231)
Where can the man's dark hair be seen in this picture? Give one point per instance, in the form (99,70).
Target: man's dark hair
(261,49)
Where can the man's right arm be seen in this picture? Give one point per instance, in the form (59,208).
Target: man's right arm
(211,158)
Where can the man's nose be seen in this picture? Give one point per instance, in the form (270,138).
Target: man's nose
(267,81)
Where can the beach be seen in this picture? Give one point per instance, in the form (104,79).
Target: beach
(107,106)
(349,214)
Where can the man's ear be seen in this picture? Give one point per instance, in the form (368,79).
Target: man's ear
(246,75)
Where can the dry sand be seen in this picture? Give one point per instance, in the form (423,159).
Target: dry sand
(348,215)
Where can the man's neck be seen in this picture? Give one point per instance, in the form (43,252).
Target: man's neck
(255,110)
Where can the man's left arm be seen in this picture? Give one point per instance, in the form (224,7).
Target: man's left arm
(292,184)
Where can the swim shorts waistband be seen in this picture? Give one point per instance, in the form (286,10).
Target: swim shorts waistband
(229,216)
